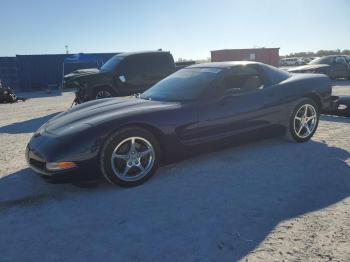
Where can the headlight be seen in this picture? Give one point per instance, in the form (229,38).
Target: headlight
(342,107)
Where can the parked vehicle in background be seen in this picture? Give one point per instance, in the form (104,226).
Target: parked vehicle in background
(293,61)
(340,106)
(347,58)
(183,64)
(335,66)
(7,95)
(126,139)
(124,74)
(307,60)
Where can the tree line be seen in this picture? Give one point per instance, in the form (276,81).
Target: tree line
(319,53)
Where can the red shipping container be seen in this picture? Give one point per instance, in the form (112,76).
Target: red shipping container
(268,56)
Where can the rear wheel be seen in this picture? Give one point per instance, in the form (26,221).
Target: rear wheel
(303,121)
(130,157)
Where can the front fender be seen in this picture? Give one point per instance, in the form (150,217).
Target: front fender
(74,147)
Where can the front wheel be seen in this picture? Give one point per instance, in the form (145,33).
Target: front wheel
(103,92)
(303,121)
(130,157)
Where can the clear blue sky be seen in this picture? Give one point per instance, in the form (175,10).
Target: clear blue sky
(189,29)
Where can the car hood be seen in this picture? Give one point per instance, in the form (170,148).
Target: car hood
(101,111)
(82,72)
(307,67)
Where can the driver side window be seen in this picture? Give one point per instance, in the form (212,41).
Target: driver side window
(241,80)
(340,60)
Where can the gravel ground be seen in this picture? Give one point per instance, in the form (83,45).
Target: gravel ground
(264,201)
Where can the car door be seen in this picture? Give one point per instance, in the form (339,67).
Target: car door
(240,102)
(135,74)
(160,65)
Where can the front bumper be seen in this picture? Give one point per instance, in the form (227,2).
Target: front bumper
(81,96)
(339,105)
(38,164)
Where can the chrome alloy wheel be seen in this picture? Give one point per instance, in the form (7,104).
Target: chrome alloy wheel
(132,159)
(305,120)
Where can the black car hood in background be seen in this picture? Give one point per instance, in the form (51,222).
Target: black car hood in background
(306,68)
(82,72)
(102,110)
(89,76)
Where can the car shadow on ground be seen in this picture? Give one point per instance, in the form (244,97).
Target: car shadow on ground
(39,94)
(216,207)
(27,126)
(44,93)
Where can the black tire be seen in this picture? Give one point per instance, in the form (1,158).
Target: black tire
(110,145)
(291,133)
(103,92)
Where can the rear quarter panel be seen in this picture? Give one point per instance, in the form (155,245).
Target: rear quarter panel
(315,86)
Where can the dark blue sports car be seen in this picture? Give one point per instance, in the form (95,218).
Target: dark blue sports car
(128,138)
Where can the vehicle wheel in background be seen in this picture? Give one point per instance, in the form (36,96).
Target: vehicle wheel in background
(103,92)
(130,157)
(303,121)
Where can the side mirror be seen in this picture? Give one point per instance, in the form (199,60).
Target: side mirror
(122,78)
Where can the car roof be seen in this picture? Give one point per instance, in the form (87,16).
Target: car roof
(224,64)
(142,53)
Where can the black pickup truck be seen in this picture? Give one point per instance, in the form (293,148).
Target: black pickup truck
(124,74)
(335,66)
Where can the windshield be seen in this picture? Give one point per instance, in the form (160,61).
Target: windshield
(111,64)
(274,74)
(322,60)
(184,85)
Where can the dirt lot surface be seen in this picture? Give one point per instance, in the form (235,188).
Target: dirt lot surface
(264,201)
